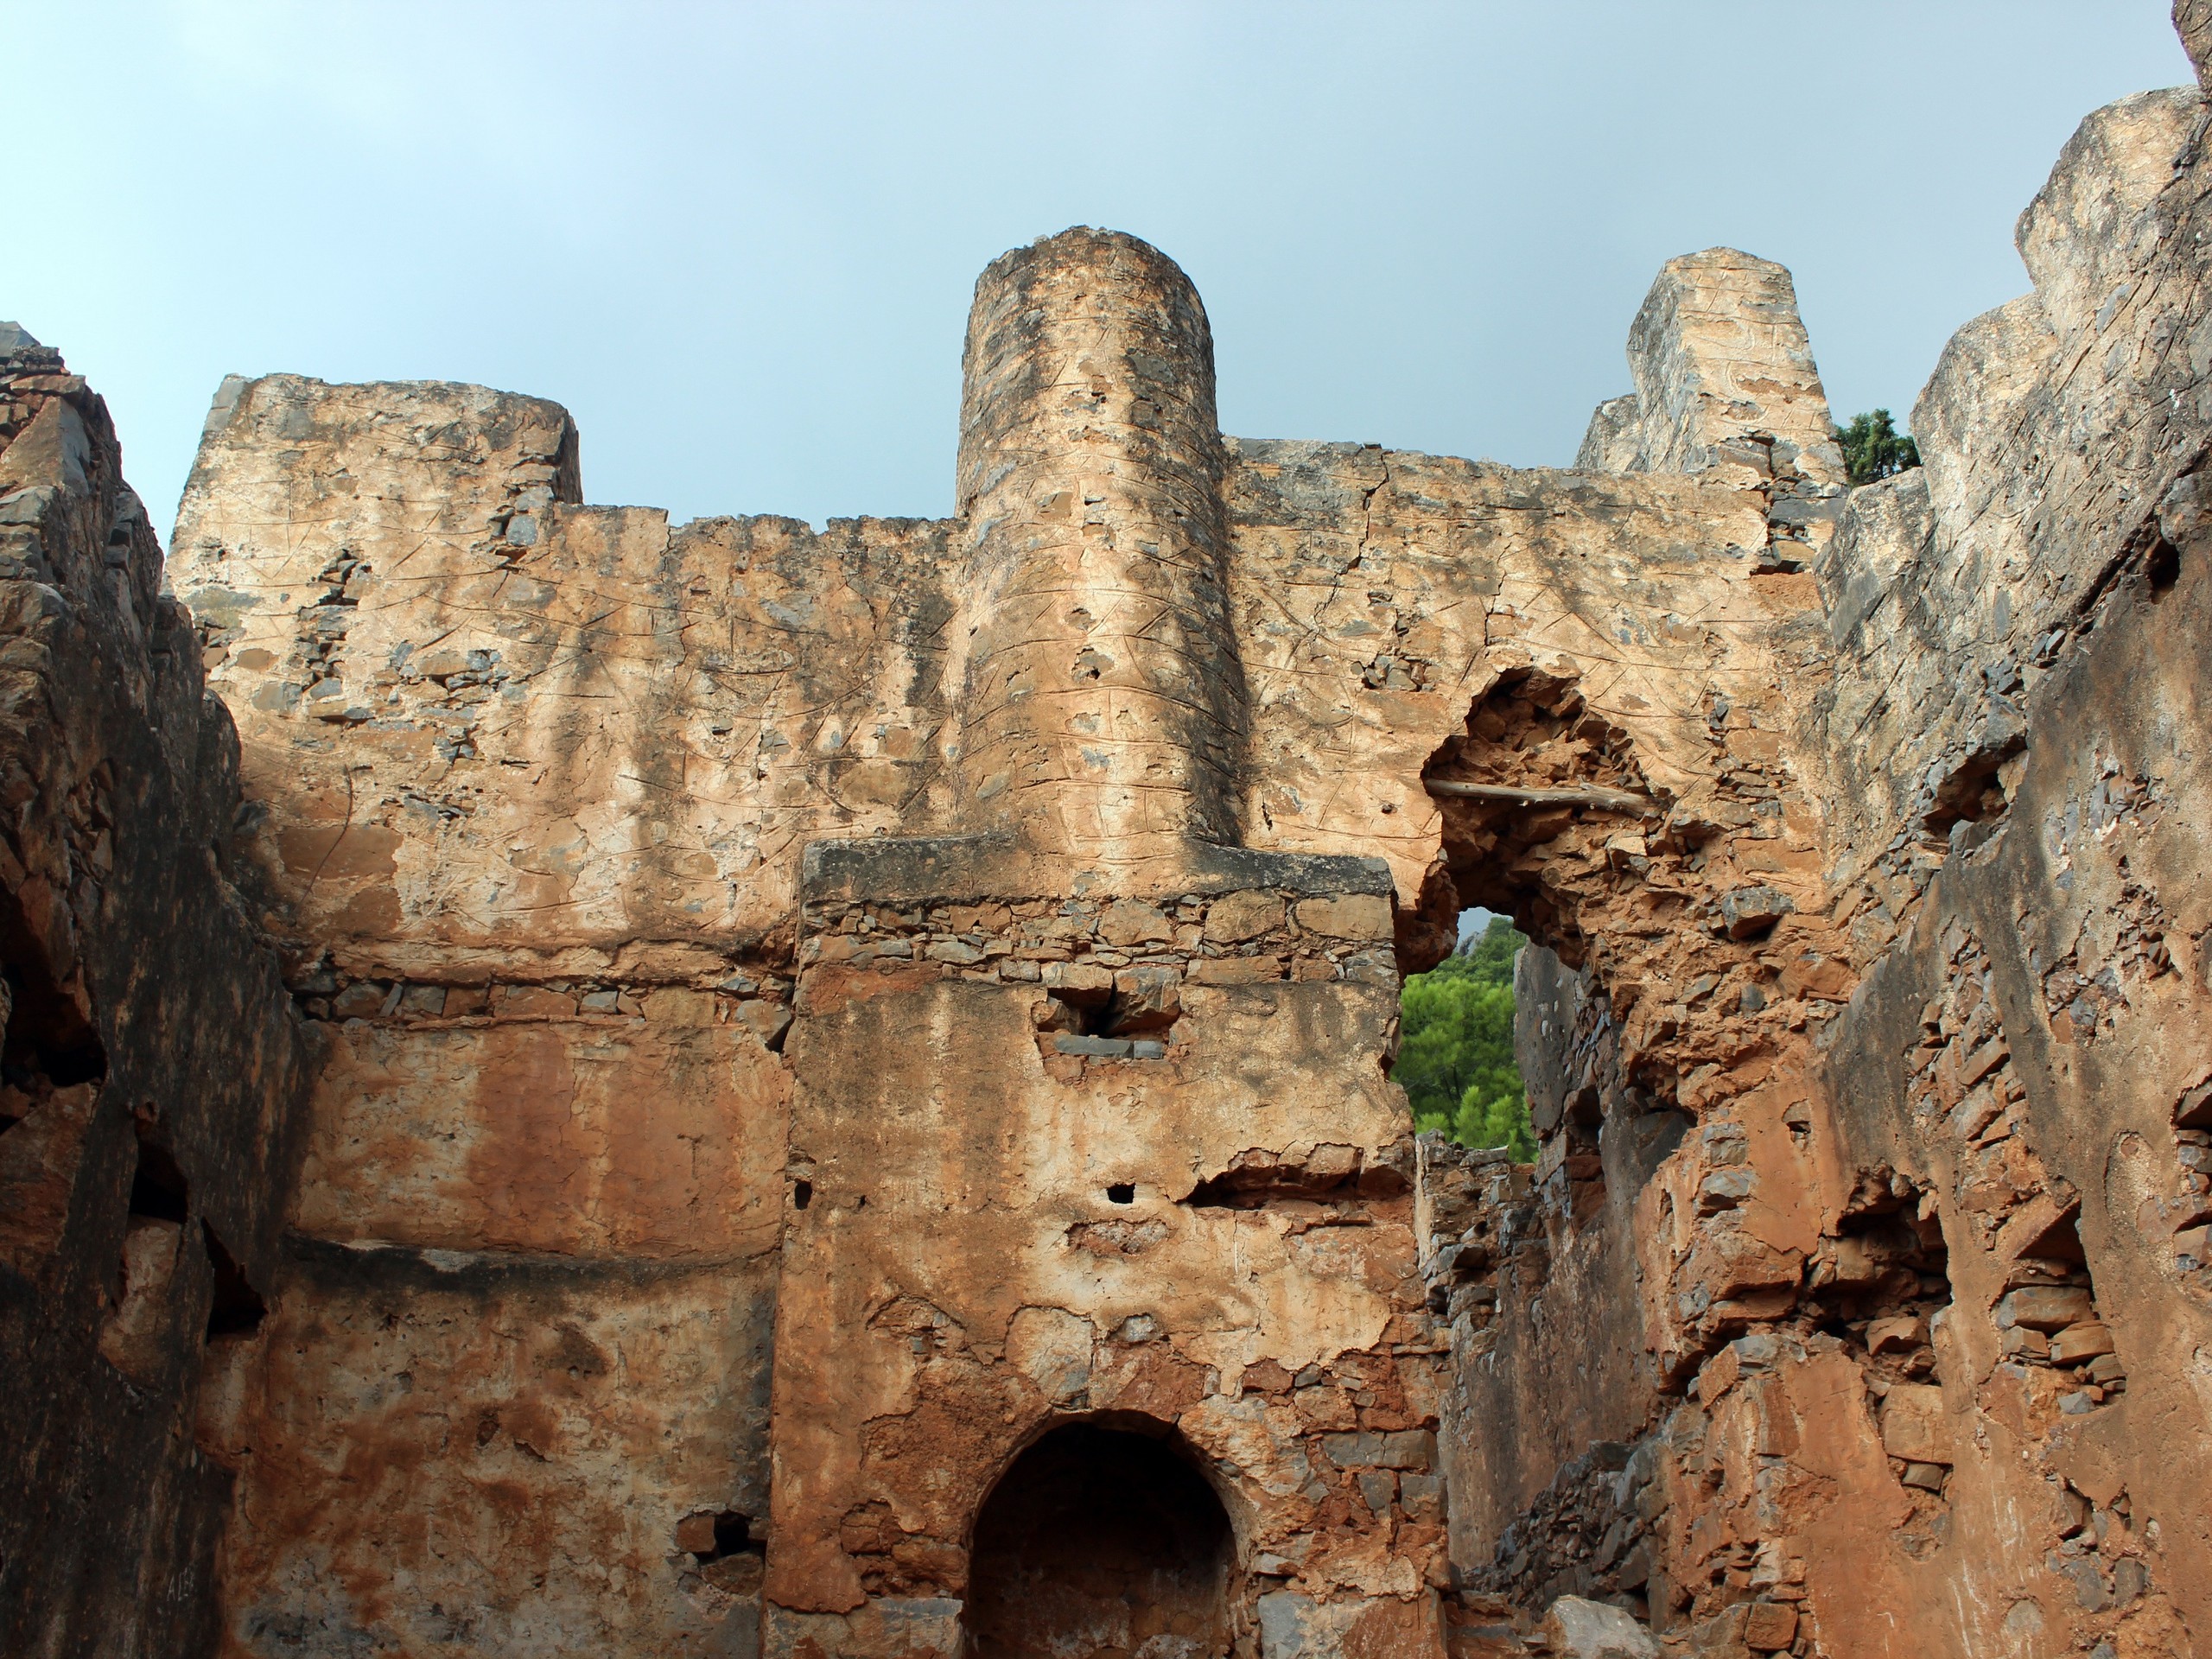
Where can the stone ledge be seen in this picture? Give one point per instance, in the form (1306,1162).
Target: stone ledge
(956,869)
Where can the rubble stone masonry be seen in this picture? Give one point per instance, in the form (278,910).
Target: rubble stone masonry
(728,1089)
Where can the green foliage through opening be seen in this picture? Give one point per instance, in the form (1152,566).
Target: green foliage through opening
(1874,448)
(1455,1046)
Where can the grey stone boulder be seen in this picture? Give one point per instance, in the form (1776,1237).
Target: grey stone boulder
(1580,1629)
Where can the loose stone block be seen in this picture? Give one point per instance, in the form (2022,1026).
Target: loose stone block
(1915,1426)
(1356,916)
(2045,1307)
(2080,1341)
(1235,917)
(1770,1626)
(1580,1628)
(1749,910)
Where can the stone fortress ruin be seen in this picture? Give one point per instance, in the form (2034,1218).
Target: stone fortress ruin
(579,1085)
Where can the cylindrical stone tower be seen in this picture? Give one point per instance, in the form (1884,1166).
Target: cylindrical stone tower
(1104,704)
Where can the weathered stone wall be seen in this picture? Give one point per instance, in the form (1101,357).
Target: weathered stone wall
(1204,1219)
(1928,1430)
(1953,589)
(531,781)
(555,849)
(2018,1064)
(817,1034)
(152,1073)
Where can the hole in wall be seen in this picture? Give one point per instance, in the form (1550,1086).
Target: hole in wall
(48,1043)
(1974,792)
(733,1535)
(710,1535)
(1581,1171)
(2163,567)
(1122,1014)
(802,1194)
(85,1063)
(1140,1001)
(137,1336)
(2049,1315)
(238,1309)
(1537,782)
(1546,761)
(1328,1174)
(1122,1192)
(158,1188)
(1881,1284)
(1455,1057)
(1098,1540)
(723,1549)
(1887,1260)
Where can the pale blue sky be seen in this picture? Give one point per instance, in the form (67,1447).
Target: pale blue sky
(738,241)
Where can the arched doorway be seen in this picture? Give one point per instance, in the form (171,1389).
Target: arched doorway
(1101,1540)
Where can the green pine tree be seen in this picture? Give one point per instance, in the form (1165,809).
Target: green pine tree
(1455,1046)
(1874,448)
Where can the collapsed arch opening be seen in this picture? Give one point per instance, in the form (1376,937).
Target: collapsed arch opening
(1100,1539)
(1549,819)
(1535,775)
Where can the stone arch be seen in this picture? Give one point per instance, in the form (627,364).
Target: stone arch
(1534,776)
(1103,1534)
(1549,816)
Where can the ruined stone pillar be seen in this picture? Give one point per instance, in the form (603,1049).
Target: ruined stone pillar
(1104,704)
